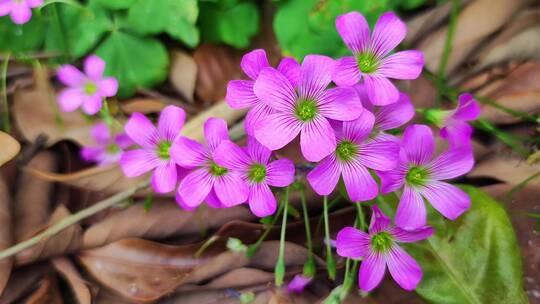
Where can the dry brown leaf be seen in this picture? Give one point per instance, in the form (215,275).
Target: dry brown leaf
(10,147)
(142,105)
(425,22)
(22,281)
(32,207)
(6,233)
(36,112)
(506,169)
(165,219)
(79,286)
(183,73)
(47,292)
(475,22)
(241,277)
(66,241)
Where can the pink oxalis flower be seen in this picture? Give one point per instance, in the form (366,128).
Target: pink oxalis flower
(353,155)
(240,93)
(87,90)
(155,145)
(20,11)
(379,249)
(421,177)
(304,108)
(257,172)
(298,283)
(371,61)
(109,148)
(207,181)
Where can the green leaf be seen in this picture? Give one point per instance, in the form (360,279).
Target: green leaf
(233,22)
(134,61)
(308,26)
(21,38)
(116,4)
(177,18)
(474,259)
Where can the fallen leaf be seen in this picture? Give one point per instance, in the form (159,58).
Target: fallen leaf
(142,105)
(36,112)
(10,148)
(506,169)
(241,277)
(78,285)
(47,292)
(6,233)
(183,74)
(32,205)
(21,281)
(425,22)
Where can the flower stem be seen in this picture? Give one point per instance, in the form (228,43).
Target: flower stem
(446,52)
(280,264)
(309,266)
(330,262)
(6,125)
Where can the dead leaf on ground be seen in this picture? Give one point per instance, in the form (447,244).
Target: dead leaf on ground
(10,147)
(142,105)
(79,286)
(6,233)
(506,169)
(183,73)
(47,292)
(22,281)
(36,112)
(425,22)
(66,241)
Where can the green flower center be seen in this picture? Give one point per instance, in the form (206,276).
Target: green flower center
(367,62)
(113,149)
(416,176)
(90,88)
(216,170)
(381,242)
(163,150)
(306,109)
(257,173)
(346,151)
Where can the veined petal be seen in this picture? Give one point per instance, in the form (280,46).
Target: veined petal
(230,156)
(275,90)
(451,163)
(458,133)
(253,62)
(215,131)
(213,201)
(231,189)
(411,236)
(257,151)
(448,199)
(389,31)
(195,187)
(379,155)
(402,65)
(371,271)
(418,144)
(164,177)
(240,94)
(70,75)
(379,221)
(411,211)
(359,183)
(277,130)
(395,115)
(70,99)
(289,67)
(92,104)
(359,129)
(315,75)
(393,179)
(259,112)
(141,130)
(324,178)
(403,268)
(317,139)
(354,30)
(346,72)
(107,87)
(261,200)
(171,121)
(340,103)
(94,67)
(138,162)
(280,173)
(188,153)
(181,203)
(380,90)
(352,243)
(468,108)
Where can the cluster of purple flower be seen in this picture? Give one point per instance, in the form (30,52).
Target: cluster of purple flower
(20,11)
(343,111)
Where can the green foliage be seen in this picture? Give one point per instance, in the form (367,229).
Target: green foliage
(116,4)
(230,21)
(21,38)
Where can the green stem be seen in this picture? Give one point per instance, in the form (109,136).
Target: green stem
(60,28)
(5,106)
(255,246)
(309,266)
(522,184)
(360,220)
(280,264)
(509,140)
(447,50)
(330,262)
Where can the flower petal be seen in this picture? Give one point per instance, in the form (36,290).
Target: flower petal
(360,128)
(379,221)
(371,271)
(34,3)
(380,90)
(324,178)
(340,103)
(107,87)
(231,189)
(215,131)
(240,94)
(280,173)
(379,155)
(92,104)
(141,130)
(317,139)
(70,99)
(468,108)
(289,67)
(448,199)
(359,183)
(231,156)
(451,163)
(20,13)
(411,211)
(164,178)
(346,72)
(213,201)
(458,133)
(395,115)
(5,7)
(352,243)
(275,90)
(195,187)
(315,75)
(257,151)
(171,120)
(94,67)
(298,283)
(418,144)
(188,153)
(354,30)
(70,75)
(93,154)
(403,268)
(253,62)
(181,203)
(100,133)
(389,31)
(277,130)
(259,112)
(261,200)
(138,162)
(402,65)
(411,236)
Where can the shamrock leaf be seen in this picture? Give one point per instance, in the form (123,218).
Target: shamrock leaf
(21,38)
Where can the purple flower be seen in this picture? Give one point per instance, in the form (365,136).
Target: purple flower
(298,283)
(370,60)
(304,108)
(208,181)
(354,154)
(455,127)
(240,93)
(422,177)
(155,144)
(379,248)
(257,173)
(108,149)
(87,90)
(20,11)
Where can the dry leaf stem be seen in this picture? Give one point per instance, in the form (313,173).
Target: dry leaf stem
(5,108)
